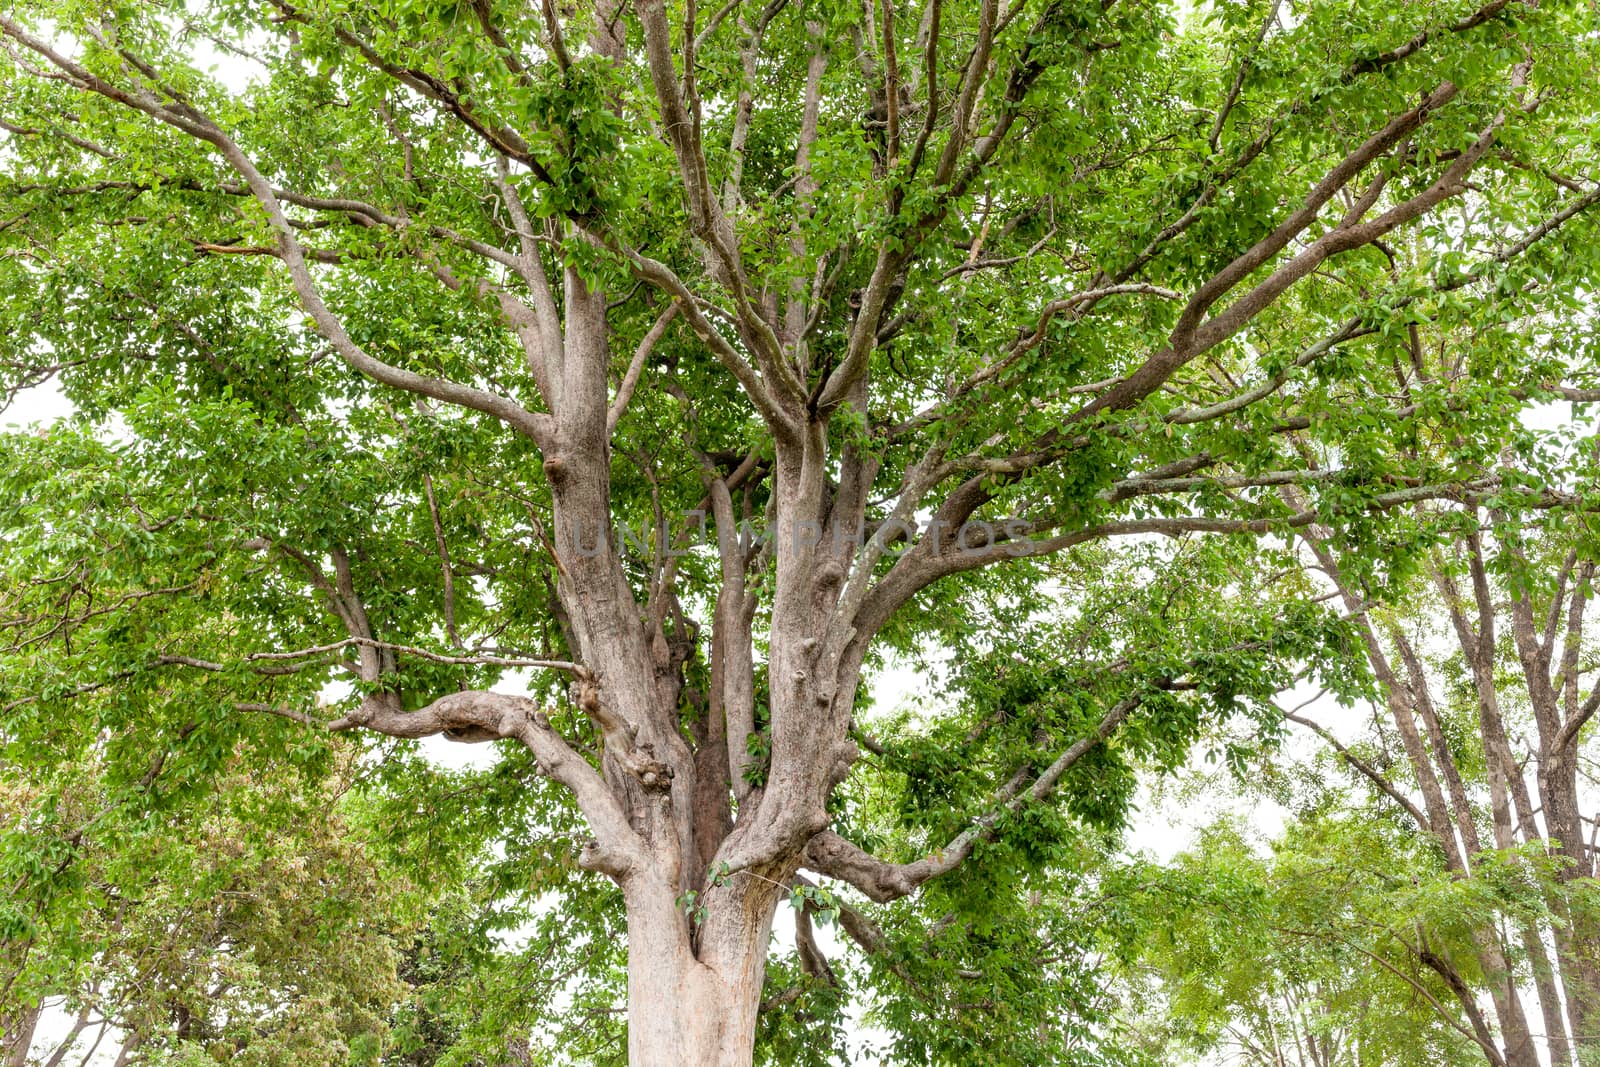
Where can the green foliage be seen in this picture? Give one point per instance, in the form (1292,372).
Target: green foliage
(255,928)
(1320,938)
(179,555)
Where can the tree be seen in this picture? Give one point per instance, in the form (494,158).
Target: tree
(1347,944)
(1491,731)
(920,297)
(254,927)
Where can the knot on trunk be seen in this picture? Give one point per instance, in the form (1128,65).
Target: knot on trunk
(596,857)
(620,736)
(655,776)
(555,468)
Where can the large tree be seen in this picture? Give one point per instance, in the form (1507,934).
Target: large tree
(419,334)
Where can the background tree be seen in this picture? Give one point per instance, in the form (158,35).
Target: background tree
(1346,945)
(252,926)
(922,295)
(1484,676)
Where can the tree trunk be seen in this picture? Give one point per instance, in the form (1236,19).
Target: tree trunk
(687,1006)
(1576,940)
(16,1034)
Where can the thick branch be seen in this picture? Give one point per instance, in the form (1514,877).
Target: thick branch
(485,716)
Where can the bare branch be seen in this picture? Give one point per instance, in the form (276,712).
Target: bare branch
(1371,773)
(486,716)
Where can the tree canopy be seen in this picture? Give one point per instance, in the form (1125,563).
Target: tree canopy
(626,383)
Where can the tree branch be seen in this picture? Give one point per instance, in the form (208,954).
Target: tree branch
(832,855)
(484,716)
(1366,769)
(630,379)
(187,120)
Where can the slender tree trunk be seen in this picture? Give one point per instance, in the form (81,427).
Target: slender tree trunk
(1577,940)
(1545,972)
(1533,946)
(1402,699)
(1554,703)
(18,1030)
(129,1048)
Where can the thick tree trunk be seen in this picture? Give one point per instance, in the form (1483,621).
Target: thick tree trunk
(697,942)
(693,998)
